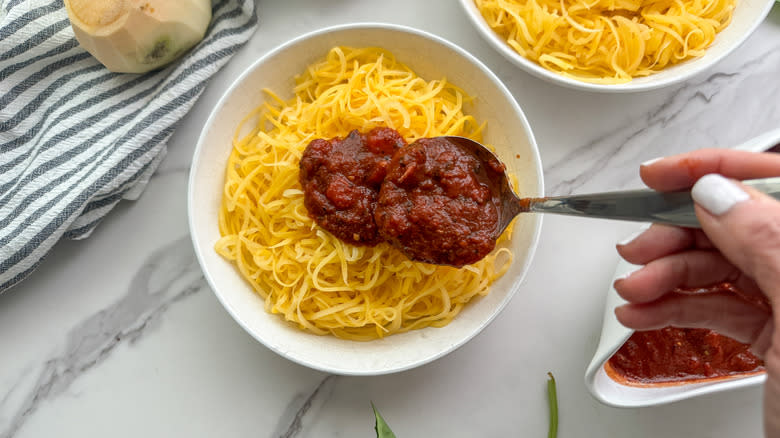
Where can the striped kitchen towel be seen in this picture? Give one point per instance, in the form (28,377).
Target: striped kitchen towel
(75,138)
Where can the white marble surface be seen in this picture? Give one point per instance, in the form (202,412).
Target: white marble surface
(118,335)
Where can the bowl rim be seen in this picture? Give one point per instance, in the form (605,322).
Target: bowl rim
(492,77)
(498,43)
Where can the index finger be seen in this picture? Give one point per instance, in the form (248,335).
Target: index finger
(681,171)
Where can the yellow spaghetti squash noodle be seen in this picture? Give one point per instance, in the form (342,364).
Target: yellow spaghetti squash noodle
(303,273)
(607,41)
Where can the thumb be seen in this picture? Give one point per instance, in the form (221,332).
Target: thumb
(744,224)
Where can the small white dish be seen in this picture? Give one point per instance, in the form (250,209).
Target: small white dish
(612,393)
(747,16)
(614,335)
(430,57)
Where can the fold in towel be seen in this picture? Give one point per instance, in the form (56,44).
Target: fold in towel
(76,138)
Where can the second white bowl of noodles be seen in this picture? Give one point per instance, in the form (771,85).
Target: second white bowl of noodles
(431,58)
(748,14)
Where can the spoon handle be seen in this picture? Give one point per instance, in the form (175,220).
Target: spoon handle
(643,205)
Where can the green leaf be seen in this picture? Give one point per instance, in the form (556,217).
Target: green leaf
(552,399)
(382,429)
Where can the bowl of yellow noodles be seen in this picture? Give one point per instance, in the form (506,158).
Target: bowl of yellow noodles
(615,46)
(318,301)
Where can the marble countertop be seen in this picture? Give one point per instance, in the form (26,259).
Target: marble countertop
(119,335)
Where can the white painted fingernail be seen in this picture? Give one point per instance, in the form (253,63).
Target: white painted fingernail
(630,238)
(717,194)
(629,273)
(633,236)
(649,162)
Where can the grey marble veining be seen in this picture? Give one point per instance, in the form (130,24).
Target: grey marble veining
(291,421)
(676,125)
(169,275)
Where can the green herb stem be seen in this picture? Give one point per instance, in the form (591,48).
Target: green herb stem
(552,398)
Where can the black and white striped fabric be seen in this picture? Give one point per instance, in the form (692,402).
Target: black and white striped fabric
(75,138)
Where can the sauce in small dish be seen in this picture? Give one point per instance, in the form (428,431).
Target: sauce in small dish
(672,355)
(680,355)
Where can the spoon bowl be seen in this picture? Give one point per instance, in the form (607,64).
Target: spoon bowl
(510,204)
(641,205)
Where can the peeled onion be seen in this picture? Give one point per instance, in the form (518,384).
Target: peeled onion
(136,36)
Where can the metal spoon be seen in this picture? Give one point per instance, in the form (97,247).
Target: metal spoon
(643,205)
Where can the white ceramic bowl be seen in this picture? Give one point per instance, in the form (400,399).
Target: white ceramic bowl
(613,335)
(430,57)
(747,16)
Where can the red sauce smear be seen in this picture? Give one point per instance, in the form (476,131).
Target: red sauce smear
(674,355)
(432,199)
(341,178)
(681,355)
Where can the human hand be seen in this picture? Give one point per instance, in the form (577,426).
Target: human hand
(739,243)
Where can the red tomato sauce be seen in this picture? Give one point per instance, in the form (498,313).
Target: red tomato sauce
(678,355)
(432,199)
(341,178)
(673,354)
(438,203)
